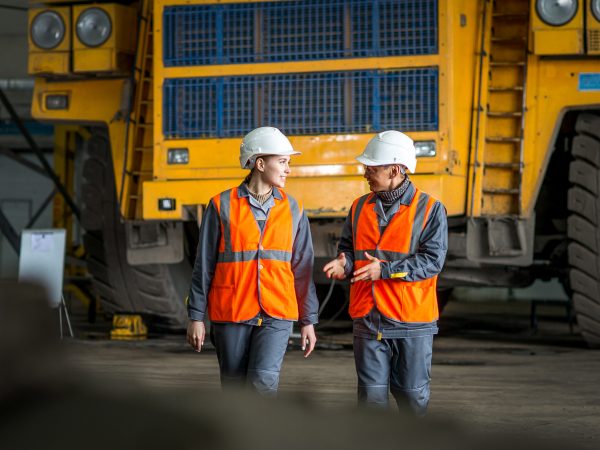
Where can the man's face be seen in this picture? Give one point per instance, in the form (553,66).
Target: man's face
(378,177)
(275,170)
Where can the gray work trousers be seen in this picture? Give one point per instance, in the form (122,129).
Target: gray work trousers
(401,365)
(251,355)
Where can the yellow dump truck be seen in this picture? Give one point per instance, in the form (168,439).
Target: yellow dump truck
(501,97)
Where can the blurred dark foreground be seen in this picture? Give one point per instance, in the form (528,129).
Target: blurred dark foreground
(46,403)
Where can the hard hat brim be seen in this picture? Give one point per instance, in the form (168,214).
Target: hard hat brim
(249,164)
(369,162)
(258,155)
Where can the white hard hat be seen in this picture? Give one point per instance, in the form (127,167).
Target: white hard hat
(390,147)
(263,141)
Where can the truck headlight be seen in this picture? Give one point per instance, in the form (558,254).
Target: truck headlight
(57,101)
(47,30)
(93,27)
(167,204)
(556,12)
(425,148)
(596,9)
(178,156)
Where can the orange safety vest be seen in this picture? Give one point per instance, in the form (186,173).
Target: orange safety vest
(396,299)
(254,271)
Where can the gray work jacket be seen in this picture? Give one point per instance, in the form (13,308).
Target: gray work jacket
(207,254)
(425,263)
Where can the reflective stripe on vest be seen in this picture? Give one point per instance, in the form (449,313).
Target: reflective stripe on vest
(399,300)
(253,269)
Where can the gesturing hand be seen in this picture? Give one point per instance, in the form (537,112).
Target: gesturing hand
(370,272)
(336,268)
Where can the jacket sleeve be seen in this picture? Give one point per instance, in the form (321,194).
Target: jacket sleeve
(346,244)
(206,261)
(302,268)
(431,254)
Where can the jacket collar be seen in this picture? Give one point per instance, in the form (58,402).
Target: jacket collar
(405,199)
(242,191)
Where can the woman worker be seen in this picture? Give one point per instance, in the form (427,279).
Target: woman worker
(253,269)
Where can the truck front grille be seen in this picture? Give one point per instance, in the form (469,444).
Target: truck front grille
(235,33)
(301,104)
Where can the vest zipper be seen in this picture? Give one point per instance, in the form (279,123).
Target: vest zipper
(258,264)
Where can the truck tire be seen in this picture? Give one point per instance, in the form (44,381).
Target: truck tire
(583,228)
(156,291)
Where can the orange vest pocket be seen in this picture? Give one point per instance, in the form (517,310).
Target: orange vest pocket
(221,300)
(419,303)
(408,301)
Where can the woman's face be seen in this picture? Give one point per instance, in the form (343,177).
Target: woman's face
(274,169)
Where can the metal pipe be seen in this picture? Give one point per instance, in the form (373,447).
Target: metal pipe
(16,8)
(40,210)
(11,235)
(482,55)
(23,161)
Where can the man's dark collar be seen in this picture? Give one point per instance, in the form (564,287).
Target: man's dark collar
(405,198)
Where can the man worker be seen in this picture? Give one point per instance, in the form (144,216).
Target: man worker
(393,246)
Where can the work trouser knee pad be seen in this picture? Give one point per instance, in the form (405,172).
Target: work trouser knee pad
(373,396)
(265,382)
(415,400)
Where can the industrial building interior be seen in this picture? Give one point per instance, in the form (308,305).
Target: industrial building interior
(509,365)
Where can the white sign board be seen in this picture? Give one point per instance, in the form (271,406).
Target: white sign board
(42,260)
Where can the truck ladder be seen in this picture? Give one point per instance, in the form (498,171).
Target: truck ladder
(139,155)
(501,108)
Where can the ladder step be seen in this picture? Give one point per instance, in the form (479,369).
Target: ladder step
(145,125)
(503,139)
(509,16)
(137,173)
(143,149)
(499,191)
(142,70)
(505,88)
(507,63)
(509,40)
(499,165)
(504,113)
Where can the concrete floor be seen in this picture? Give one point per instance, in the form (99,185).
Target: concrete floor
(490,372)
(493,377)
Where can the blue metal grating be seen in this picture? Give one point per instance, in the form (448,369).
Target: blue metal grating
(236,33)
(300,104)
